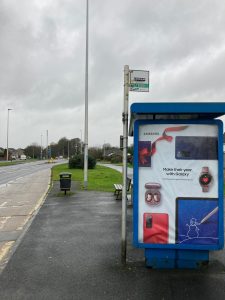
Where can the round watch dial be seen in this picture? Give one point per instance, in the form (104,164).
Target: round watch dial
(205,179)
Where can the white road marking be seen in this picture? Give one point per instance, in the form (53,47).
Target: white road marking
(2,223)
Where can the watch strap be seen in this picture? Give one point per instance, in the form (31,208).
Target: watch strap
(205,188)
(205,169)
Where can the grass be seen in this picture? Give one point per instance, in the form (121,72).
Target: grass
(129,165)
(15,162)
(62,194)
(99,179)
(11,163)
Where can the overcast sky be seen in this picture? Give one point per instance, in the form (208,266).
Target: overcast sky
(42,62)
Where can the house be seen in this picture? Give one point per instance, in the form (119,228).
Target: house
(1,153)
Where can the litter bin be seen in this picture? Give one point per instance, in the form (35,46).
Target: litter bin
(65,181)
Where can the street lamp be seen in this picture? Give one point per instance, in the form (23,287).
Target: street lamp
(7,156)
(47,144)
(81,143)
(86,108)
(41,146)
(68,150)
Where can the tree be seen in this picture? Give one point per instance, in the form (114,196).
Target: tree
(77,162)
(63,147)
(54,150)
(1,153)
(75,146)
(33,150)
(105,147)
(96,152)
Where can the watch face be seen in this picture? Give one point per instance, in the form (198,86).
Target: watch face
(205,179)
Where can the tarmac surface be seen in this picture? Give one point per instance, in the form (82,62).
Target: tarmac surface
(71,250)
(19,202)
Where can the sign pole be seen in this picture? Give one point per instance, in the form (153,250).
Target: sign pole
(125,143)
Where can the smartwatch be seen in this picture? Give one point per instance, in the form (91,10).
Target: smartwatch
(205,179)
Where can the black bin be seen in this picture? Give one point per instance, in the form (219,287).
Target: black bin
(65,181)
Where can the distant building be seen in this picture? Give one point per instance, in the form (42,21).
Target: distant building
(13,153)
(1,153)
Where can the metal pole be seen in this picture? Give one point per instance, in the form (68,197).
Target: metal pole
(125,142)
(68,150)
(41,146)
(81,142)
(7,155)
(86,108)
(47,144)
(104,150)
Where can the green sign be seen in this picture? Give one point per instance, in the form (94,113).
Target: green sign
(139,81)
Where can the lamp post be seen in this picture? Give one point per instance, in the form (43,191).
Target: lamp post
(86,108)
(47,144)
(41,146)
(7,156)
(68,150)
(104,150)
(81,141)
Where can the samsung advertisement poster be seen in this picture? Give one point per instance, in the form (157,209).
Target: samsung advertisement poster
(178,200)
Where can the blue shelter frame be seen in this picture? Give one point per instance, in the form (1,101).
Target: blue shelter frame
(177,255)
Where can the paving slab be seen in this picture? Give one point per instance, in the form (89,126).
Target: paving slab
(72,251)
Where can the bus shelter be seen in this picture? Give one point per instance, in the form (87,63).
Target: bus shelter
(178,182)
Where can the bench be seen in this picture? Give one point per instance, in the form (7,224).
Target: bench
(118,188)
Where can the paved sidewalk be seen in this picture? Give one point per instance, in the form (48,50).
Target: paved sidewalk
(72,251)
(19,202)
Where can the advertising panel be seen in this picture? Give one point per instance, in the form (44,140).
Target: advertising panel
(177,199)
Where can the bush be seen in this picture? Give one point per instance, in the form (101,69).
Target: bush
(77,162)
(115,159)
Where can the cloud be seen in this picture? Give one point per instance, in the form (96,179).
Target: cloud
(42,53)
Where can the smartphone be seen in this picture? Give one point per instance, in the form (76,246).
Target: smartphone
(196,147)
(144,154)
(155,228)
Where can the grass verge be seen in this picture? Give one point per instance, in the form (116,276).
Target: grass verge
(99,179)
(129,165)
(16,162)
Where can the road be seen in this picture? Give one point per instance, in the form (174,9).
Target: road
(9,174)
(22,191)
